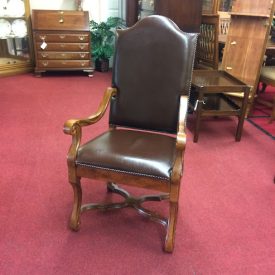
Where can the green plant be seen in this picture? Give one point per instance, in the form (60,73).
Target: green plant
(102,35)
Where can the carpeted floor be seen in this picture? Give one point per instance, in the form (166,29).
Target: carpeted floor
(226,219)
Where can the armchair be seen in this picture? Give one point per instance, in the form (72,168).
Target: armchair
(145,142)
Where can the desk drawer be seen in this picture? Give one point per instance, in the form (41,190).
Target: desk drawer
(60,20)
(68,47)
(63,55)
(62,37)
(63,63)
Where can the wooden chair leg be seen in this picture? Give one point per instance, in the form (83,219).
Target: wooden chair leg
(272,117)
(264,85)
(171,228)
(75,216)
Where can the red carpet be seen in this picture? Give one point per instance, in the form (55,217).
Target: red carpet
(261,114)
(227,205)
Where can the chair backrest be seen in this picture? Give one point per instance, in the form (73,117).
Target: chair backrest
(208,44)
(152,68)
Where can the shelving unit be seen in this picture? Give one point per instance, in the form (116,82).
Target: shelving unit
(15,38)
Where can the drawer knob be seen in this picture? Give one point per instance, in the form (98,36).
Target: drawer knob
(82,55)
(61,20)
(83,64)
(81,47)
(229,68)
(81,37)
(45,63)
(62,45)
(44,55)
(62,36)
(233,43)
(63,54)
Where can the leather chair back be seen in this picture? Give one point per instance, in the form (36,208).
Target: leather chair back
(152,68)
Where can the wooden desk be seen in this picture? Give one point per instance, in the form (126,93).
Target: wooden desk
(209,99)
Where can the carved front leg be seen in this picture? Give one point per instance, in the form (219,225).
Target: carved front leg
(75,216)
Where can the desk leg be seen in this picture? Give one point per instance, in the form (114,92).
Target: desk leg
(198,112)
(241,117)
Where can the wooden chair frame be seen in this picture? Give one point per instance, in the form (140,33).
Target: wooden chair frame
(74,127)
(208,46)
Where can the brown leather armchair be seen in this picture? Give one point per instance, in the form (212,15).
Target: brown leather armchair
(148,100)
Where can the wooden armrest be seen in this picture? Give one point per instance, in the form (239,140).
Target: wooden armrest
(69,126)
(181,135)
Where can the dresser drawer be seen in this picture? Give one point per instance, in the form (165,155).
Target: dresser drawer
(63,55)
(63,63)
(67,47)
(62,37)
(60,20)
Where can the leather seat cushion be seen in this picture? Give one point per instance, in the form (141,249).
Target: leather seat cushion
(132,152)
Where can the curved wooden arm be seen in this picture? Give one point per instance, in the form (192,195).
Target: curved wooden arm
(181,135)
(70,126)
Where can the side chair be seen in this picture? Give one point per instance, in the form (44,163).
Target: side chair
(145,142)
(267,77)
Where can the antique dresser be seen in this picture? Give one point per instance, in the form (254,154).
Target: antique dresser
(62,41)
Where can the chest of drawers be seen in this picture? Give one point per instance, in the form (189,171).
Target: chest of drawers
(62,41)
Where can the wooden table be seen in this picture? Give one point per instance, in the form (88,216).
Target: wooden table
(209,89)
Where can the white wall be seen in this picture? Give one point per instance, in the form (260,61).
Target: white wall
(99,10)
(52,5)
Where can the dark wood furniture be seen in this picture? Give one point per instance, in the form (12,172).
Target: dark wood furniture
(208,98)
(186,14)
(131,12)
(267,77)
(61,41)
(158,83)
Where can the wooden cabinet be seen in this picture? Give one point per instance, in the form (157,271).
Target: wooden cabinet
(186,14)
(62,41)
(246,40)
(15,39)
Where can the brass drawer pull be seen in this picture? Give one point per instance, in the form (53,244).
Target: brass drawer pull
(61,20)
(229,68)
(62,45)
(83,64)
(233,43)
(45,63)
(81,37)
(63,54)
(82,55)
(62,36)
(42,37)
(63,63)
(81,47)
(44,55)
